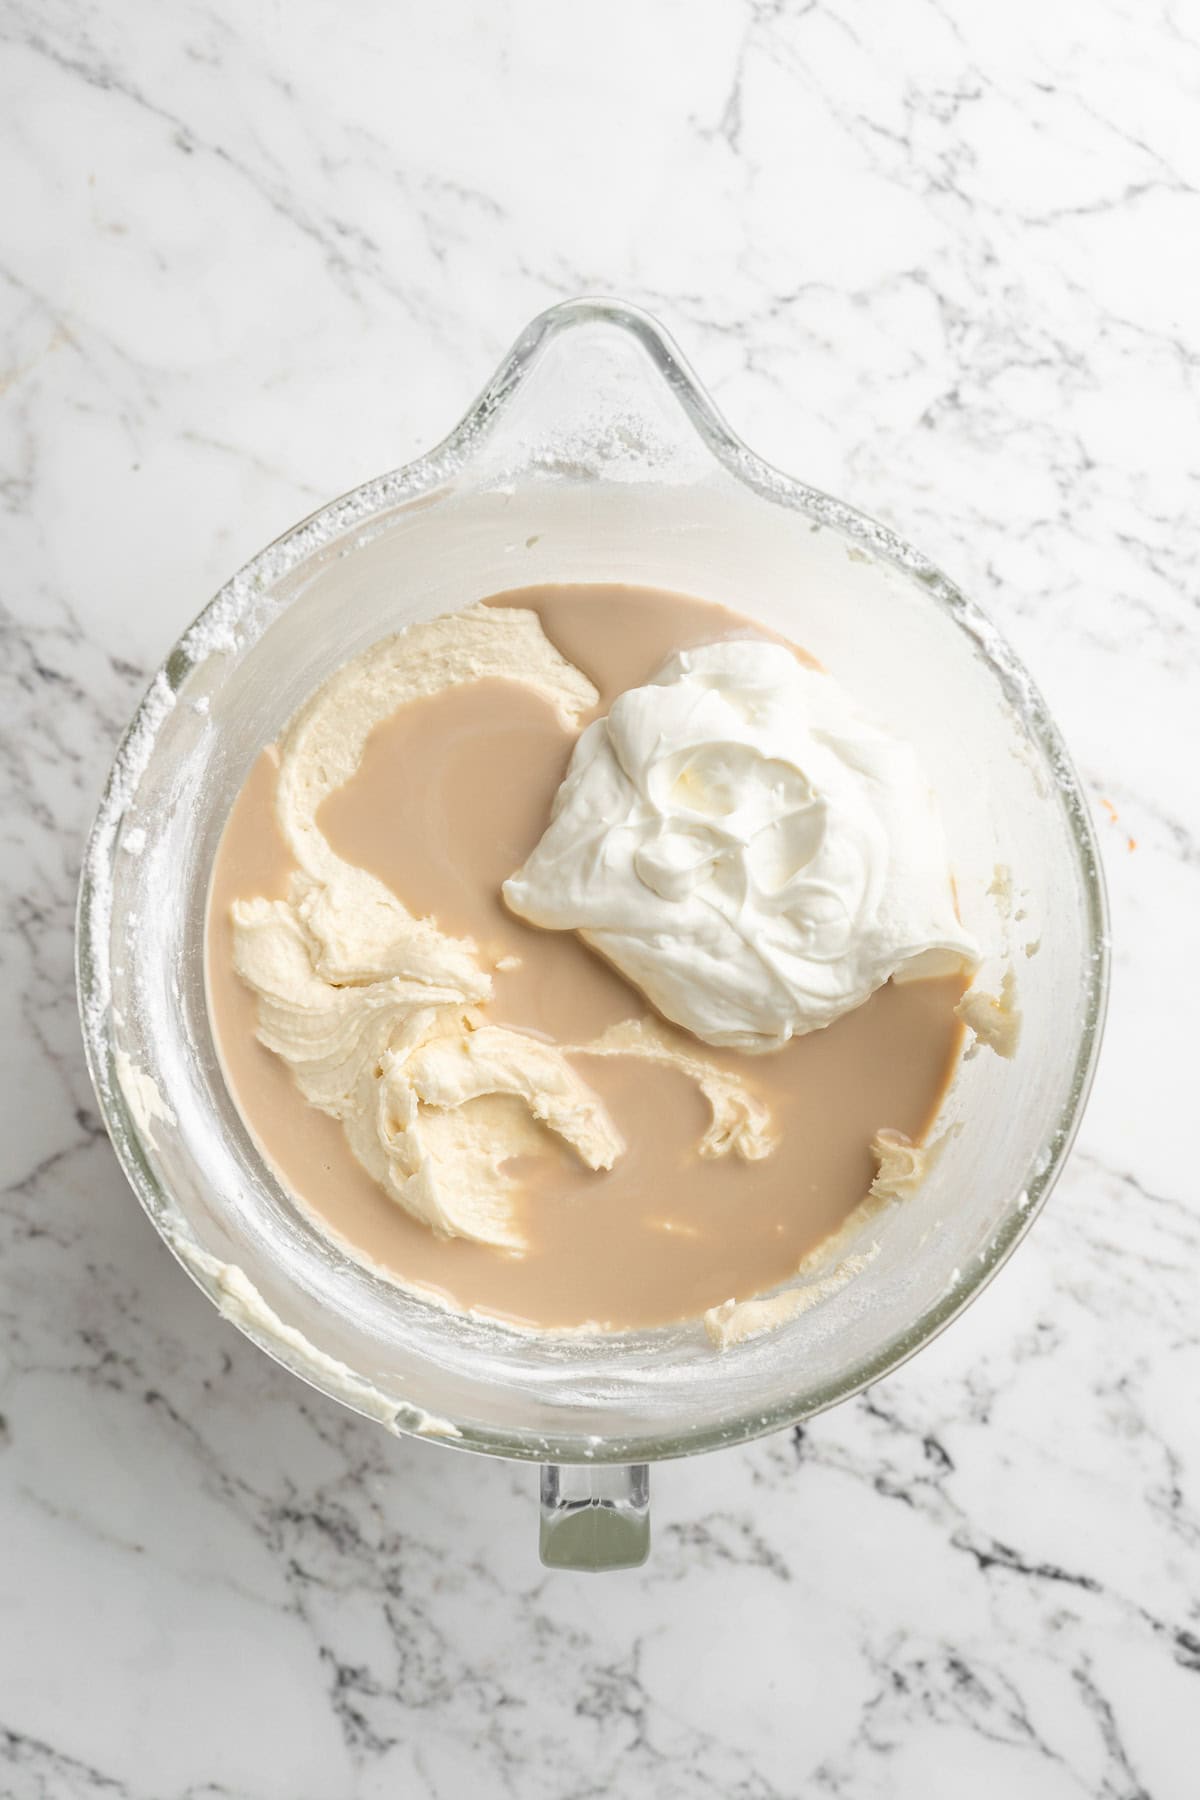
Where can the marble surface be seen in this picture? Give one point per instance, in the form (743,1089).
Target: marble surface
(936,257)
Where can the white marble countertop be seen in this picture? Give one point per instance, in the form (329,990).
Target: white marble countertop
(936,257)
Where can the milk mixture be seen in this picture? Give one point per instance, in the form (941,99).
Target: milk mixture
(580,957)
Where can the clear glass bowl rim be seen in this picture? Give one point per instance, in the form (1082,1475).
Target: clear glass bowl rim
(454,453)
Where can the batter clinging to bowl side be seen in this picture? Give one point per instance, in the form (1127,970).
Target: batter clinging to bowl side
(667,1089)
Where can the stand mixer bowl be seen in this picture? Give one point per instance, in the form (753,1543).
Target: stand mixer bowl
(592,455)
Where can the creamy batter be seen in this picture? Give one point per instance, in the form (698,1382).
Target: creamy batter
(486,1109)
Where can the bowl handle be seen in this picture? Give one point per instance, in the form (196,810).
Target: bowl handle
(595,1517)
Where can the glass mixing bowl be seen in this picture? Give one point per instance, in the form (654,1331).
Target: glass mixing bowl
(592,455)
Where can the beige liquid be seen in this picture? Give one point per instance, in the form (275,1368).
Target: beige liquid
(450,796)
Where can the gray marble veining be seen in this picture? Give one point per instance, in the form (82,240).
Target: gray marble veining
(934,257)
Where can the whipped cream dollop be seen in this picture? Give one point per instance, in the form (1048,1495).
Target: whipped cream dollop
(748,848)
